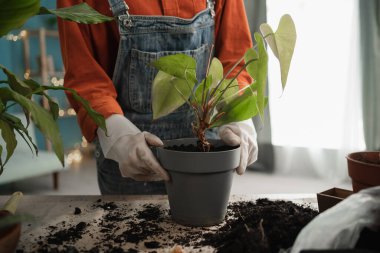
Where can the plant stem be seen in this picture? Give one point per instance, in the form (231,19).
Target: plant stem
(12,203)
(233,79)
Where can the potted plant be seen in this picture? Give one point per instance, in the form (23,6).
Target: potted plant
(23,92)
(201,179)
(364,169)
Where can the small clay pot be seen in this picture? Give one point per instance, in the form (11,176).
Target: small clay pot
(364,169)
(9,236)
(331,197)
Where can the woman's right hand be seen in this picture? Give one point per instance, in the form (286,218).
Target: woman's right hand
(128,146)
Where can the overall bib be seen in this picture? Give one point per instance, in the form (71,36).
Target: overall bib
(144,39)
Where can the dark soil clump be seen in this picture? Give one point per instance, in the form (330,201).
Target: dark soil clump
(77,211)
(264,226)
(67,235)
(152,245)
(107,206)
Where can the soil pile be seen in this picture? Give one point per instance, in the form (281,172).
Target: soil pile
(264,226)
(261,226)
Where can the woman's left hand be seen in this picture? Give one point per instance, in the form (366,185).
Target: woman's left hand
(241,133)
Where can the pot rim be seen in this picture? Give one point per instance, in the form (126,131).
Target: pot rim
(360,162)
(197,152)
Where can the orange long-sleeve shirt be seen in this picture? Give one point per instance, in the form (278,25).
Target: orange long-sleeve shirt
(89,51)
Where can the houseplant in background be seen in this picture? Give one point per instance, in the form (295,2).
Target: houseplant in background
(23,92)
(15,90)
(203,178)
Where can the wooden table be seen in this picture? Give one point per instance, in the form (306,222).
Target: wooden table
(54,213)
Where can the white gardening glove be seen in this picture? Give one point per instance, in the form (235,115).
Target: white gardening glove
(128,146)
(241,133)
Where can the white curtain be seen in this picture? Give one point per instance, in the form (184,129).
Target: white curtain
(317,120)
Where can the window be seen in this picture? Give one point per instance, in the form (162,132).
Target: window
(321,105)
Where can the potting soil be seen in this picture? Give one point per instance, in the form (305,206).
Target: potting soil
(261,226)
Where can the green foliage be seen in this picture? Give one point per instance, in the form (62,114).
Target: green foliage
(13,14)
(81,13)
(179,65)
(282,43)
(216,100)
(175,90)
(7,133)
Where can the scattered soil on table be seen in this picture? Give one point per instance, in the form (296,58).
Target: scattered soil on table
(77,210)
(261,226)
(193,148)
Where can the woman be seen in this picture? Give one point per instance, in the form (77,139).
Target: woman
(108,64)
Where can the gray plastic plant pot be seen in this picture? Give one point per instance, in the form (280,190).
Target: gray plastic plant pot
(200,182)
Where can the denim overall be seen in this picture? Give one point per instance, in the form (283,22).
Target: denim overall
(144,39)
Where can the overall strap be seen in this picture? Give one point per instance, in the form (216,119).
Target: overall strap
(118,7)
(211,6)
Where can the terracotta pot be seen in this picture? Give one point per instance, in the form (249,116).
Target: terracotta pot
(364,169)
(9,236)
(200,183)
(331,197)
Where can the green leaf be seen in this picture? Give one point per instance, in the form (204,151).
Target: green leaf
(21,129)
(216,71)
(94,115)
(14,13)
(41,117)
(168,93)
(268,34)
(239,108)
(54,108)
(282,43)
(252,57)
(9,137)
(15,83)
(205,85)
(262,72)
(232,90)
(32,84)
(178,65)
(81,13)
